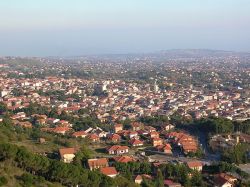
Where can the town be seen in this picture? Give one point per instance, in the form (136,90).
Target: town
(137,121)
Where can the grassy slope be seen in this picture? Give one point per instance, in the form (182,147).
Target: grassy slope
(12,173)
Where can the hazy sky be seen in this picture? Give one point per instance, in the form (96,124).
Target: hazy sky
(78,27)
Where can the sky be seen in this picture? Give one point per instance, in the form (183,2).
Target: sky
(83,27)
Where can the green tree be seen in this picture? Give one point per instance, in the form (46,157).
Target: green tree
(3,108)
(3,181)
(82,156)
(196,179)
(159,179)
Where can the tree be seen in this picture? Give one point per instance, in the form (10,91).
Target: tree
(196,179)
(27,179)
(238,154)
(3,108)
(52,170)
(159,179)
(3,181)
(82,156)
(17,92)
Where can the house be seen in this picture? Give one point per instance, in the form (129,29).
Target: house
(19,115)
(67,154)
(135,142)
(154,134)
(117,150)
(133,134)
(41,121)
(157,141)
(149,129)
(93,138)
(118,127)
(123,159)
(61,130)
(189,147)
(109,171)
(186,142)
(101,133)
(224,180)
(138,179)
(114,138)
(81,134)
(63,123)
(170,183)
(195,165)
(52,121)
(168,127)
(143,132)
(136,126)
(165,148)
(24,124)
(97,163)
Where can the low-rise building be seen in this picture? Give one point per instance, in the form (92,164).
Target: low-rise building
(67,154)
(97,163)
(117,150)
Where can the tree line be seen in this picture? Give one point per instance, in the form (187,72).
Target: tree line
(55,171)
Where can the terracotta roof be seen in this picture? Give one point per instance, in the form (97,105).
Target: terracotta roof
(64,151)
(93,136)
(146,176)
(117,147)
(138,177)
(118,125)
(79,133)
(133,132)
(114,136)
(123,159)
(154,133)
(136,124)
(192,164)
(157,139)
(168,182)
(61,129)
(220,181)
(135,142)
(97,162)
(167,146)
(122,148)
(109,171)
(227,176)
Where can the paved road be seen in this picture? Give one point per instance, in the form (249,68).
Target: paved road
(163,158)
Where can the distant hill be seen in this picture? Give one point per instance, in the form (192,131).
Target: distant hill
(173,54)
(198,53)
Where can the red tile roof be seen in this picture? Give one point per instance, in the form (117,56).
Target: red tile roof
(64,151)
(117,148)
(61,129)
(79,133)
(135,142)
(98,162)
(109,171)
(123,159)
(192,164)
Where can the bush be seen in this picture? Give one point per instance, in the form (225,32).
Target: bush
(3,181)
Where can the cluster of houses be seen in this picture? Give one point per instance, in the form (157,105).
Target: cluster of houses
(138,135)
(222,142)
(122,99)
(185,141)
(115,100)
(106,167)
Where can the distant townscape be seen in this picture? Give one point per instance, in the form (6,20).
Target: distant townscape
(171,118)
